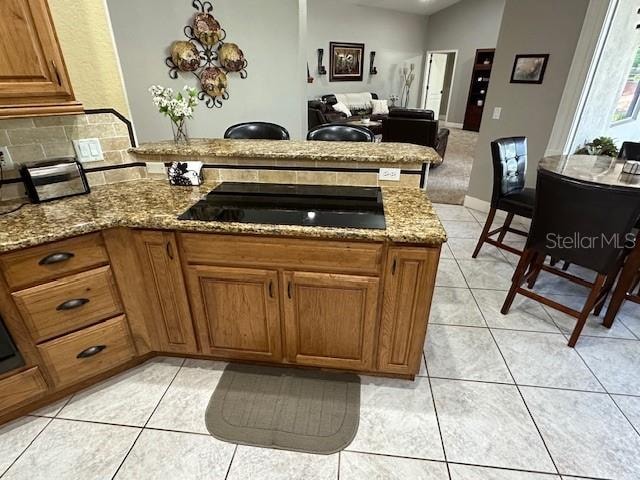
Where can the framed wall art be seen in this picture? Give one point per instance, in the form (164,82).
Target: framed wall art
(346,61)
(529,68)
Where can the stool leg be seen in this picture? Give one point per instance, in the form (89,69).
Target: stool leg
(518,279)
(485,232)
(627,277)
(586,310)
(507,224)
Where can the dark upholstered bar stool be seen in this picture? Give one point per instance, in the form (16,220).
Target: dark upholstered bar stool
(257,131)
(575,221)
(509,157)
(628,286)
(340,133)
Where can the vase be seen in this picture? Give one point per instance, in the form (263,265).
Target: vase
(179,127)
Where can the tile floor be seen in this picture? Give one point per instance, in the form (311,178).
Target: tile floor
(498,398)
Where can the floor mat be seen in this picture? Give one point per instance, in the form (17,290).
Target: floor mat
(302,410)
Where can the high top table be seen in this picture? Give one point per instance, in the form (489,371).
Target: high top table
(602,171)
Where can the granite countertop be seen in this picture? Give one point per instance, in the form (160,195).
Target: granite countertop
(400,153)
(154,204)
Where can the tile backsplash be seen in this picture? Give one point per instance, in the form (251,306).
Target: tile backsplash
(43,138)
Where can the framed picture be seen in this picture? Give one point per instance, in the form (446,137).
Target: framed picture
(346,62)
(529,68)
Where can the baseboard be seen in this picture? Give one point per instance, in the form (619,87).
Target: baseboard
(452,125)
(477,204)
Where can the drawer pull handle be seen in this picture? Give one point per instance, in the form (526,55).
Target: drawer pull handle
(56,258)
(270,288)
(55,70)
(72,304)
(91,351)
(393,267)
(289,290)
(170,250)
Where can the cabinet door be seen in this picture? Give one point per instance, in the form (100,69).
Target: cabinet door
(236,312)
(330,319)
(409,281)
(166,290)
(32,69)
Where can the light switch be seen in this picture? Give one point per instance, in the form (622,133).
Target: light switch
(88,150)
(497,111)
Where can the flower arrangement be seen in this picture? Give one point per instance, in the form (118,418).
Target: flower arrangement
(177,107)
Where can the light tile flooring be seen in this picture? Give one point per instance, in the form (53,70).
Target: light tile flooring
(498,398)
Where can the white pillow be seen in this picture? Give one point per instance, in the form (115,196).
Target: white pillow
(342,108)
(380,107)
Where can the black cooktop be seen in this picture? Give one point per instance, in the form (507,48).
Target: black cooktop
(282,204)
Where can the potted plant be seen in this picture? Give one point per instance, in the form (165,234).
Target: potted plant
(604,146)
(177,107)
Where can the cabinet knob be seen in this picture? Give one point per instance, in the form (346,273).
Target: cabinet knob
(57,257)
(91,351)
(72,304)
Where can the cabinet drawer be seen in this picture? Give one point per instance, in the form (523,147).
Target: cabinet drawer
(342,257)
(88,352)
(36,265)
(21,388)
(65,305)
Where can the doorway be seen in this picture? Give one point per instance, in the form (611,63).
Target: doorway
(439,74)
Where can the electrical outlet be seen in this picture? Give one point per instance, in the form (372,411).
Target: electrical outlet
(155,167)
(5,158)
(389,174)
(88,150)
(497,111)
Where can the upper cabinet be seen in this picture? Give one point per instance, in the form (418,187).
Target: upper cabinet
(33,75)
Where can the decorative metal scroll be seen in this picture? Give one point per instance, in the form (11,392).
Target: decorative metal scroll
(207,56)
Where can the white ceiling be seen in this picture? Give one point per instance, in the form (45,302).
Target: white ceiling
(420,7)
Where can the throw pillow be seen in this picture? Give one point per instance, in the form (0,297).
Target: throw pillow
(380,107)
(342,108)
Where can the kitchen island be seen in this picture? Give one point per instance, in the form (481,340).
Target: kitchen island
(294,161)
(92,285)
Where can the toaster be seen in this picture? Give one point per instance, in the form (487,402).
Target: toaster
(54,179)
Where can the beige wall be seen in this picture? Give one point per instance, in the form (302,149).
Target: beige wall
(543,26)
(465,26)
(87,44)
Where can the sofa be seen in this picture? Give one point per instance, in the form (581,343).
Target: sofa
(407,125)
(322,112)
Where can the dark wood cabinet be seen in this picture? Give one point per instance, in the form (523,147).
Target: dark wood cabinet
(480,78)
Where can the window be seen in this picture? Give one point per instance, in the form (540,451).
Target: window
(630,98)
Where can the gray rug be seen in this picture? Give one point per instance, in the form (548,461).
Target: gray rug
(301,410)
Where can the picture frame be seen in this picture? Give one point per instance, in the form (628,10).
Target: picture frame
(346,62)
(529,68)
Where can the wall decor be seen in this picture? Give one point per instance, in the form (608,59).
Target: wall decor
(373,70)
(529,68)
(206,56)
(321,69)
(346,62)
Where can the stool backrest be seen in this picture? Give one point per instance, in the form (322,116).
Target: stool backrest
(630,151)
(581,222)
(509,157)
(341,133)
(257,131)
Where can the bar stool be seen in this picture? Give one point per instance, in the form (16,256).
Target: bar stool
(566,212)
(509,157)
(341,133)
(628,287)
(257,131)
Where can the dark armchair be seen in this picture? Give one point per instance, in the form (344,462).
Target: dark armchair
(406,125)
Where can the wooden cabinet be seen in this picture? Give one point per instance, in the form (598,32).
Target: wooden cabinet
(21,388)
(480,78)
(33,75)
(162,272)
(330,320)
(236,312)
(409,282)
